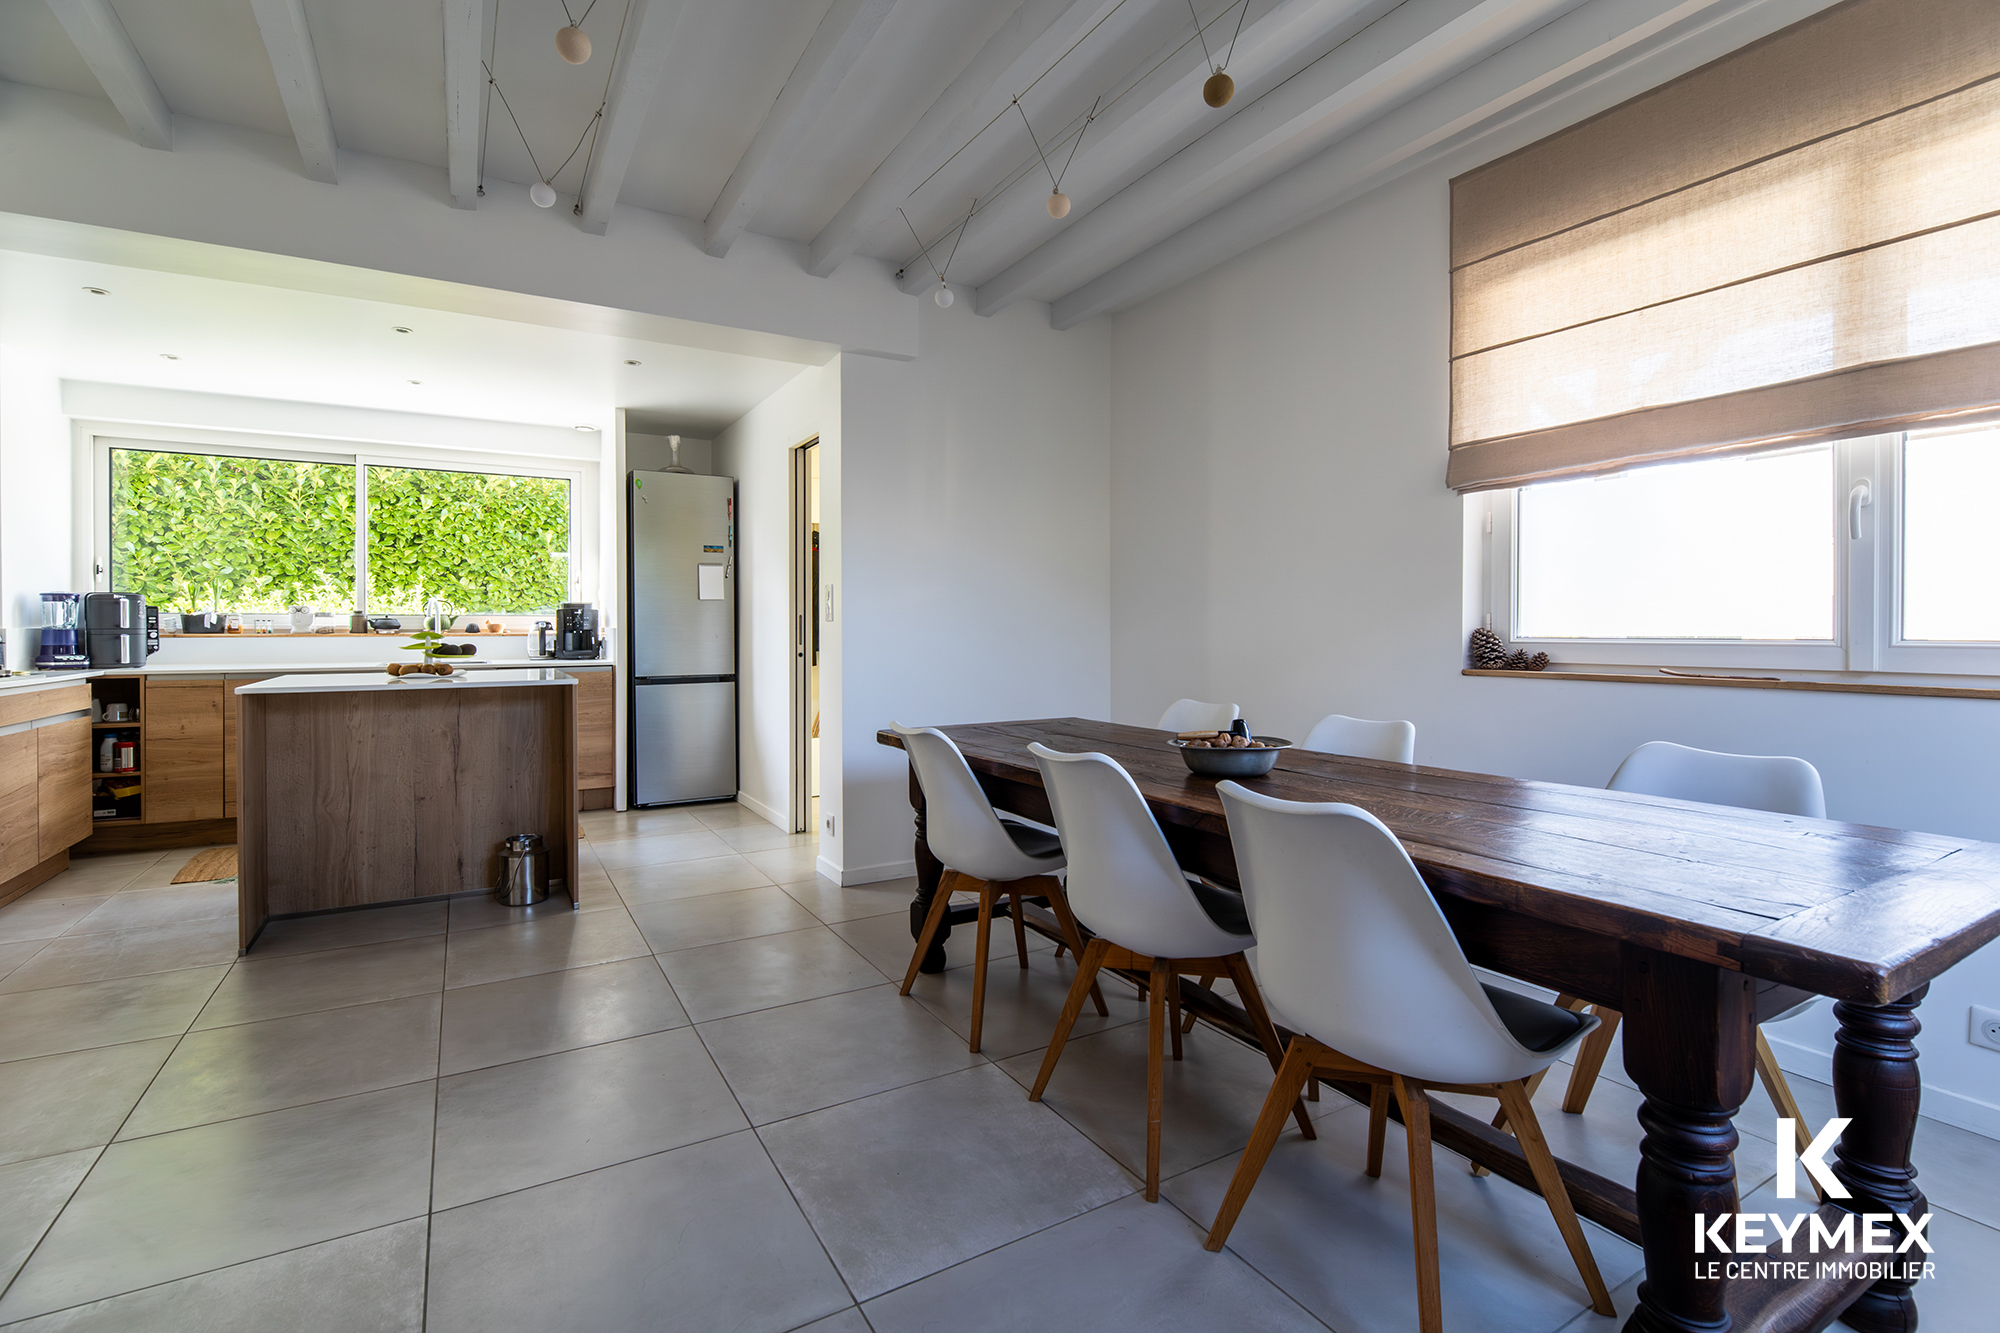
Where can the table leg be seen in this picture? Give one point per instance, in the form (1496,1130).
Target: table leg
(930,871)
(1690,1030)
(1875,1084)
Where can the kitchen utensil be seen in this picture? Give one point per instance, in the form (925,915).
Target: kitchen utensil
(61,620)
(1233,763)
(523,871)
(576,632)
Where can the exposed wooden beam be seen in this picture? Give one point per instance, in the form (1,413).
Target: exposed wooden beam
(289,44)
(835,47)
(101,40)
(464,88)
(1026,44)
(1591,58)
(640,68)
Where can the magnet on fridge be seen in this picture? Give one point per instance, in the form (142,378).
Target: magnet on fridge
(708,582)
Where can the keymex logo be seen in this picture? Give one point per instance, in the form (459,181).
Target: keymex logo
(1824,1249)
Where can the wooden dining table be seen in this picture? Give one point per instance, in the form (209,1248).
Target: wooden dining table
(1668,911)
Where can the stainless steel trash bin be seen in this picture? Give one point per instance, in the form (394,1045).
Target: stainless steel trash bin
(524,871)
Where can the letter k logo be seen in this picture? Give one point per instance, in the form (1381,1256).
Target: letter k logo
(1813,1159)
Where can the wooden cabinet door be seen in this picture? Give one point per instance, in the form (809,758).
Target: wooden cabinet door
(595,730)
(231,708)
(63,760)
(180,759)
(20,825)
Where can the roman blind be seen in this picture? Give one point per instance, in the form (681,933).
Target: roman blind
(1797,242)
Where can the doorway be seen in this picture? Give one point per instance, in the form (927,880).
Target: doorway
(805,641)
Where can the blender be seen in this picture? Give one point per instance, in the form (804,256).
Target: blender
(61,614)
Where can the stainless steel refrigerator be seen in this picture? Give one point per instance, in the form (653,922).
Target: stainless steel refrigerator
(681,532)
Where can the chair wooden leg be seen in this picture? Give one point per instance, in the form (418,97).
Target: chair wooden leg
(940,904)
(1201,979)
(1423,1204)
(1014,901)
(1156,1031)
(1284,1094)
(1059,904)
(1590,1059)
(986,896)
(1528,1132)
(1174,1013)
(1260,1023)
(1780,1092)
(1378,1123)
(1500,1116)
(1086,981)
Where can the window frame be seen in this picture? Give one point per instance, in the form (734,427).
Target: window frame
(102,439)
(1868,587)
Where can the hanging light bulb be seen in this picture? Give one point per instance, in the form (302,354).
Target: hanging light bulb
(573,45)
(543,193)
(943,297)
(1058,205)
(1218,90)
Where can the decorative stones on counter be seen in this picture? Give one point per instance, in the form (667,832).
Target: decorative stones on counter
(419,669)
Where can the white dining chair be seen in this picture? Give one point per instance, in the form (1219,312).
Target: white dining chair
(984,855)
(1779,783)
(1359,958)
(1147,916)
(1338,734)
(1194,715)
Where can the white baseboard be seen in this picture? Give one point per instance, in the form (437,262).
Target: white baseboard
(1940,1104)
(762,811)
(866,874)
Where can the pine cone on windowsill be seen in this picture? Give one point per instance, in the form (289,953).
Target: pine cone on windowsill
(1487,651)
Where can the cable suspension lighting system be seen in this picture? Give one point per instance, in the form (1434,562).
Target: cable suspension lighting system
(543,192)
(572,44)
(1220,87)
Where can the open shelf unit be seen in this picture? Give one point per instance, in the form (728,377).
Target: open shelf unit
(116,797)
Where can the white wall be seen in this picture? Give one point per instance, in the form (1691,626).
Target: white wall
(1282,538)
(35,485)
(653,453)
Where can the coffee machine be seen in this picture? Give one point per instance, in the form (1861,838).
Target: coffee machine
(115,629)
(577,638)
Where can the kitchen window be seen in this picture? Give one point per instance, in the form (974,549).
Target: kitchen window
(1869,555)
(257,531)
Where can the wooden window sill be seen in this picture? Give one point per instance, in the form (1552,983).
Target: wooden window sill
(1749,680)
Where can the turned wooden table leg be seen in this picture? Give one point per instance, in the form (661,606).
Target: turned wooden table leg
(1875,1085)
(1690,1031)
(930,871)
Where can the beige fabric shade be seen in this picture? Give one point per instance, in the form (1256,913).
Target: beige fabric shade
(1797,242)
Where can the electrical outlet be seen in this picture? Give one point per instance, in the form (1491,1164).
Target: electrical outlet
(1985,1028)
(830,833)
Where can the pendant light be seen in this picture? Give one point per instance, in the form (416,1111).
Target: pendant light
(1058,201)
(572,43)
(1219,87)
(543,194)
(943,295)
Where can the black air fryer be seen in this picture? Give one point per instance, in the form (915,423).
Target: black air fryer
(114,627)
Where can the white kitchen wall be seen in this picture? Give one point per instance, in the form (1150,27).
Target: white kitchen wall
(35,485)
(1282,538)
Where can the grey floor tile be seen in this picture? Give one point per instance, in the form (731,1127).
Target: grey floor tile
(786,865)
(142,909)
(688,923)
(534,1121)
(260,988)
(707,1232)
(1211,1097)
(602,826)
(36,918)
(548,944)
(105,1013)
(831,903)
(344,930)
(58,1103)
(686,879)
(102,874)
(160,874)
(20,951)
(735,978)
(1503,1263)
(555,1011)
(248,1068)
(752,838)
(1624,1299)
(1956,1168)
(153,1210)
(849,1320)
(652,850)
(477,913)
(729,814)
(885,939)
(35,1192)
(905,1183)
(1021,1007)
(782,1062)
(75,959)
(1129,1264)
(372,1282)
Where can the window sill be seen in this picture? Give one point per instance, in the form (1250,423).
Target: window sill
(1747,680)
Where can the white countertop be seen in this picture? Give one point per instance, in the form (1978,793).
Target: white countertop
(352,682)
(33,680)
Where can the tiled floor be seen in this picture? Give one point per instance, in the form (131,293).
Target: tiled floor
(700,1104)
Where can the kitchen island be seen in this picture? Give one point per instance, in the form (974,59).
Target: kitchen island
(357,789)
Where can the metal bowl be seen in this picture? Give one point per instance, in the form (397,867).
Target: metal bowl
(1244,763)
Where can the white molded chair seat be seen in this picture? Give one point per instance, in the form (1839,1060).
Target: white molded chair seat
(1194,715)
(1338,734)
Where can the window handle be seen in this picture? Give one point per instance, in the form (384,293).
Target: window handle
(1857,499)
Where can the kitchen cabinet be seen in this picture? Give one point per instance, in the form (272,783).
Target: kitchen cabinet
(596,737)
(62,758)
(232,709)
(181,753)
(20,825)
(44,784)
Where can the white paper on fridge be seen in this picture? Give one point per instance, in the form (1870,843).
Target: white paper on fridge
(708,582)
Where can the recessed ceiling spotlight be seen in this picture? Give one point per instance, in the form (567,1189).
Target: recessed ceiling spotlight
(169,356)
(416,381)
(400,328)
(583,428)
(631,363)
(97,291)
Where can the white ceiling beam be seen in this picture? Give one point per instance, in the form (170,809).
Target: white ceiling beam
(831,55)
(1027,43)
(464,87)
(1591,58)
(639,69)
(1411,48)
(286,39)
(101,40)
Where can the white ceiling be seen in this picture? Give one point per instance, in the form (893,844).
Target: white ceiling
(270,342)
(814,121)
